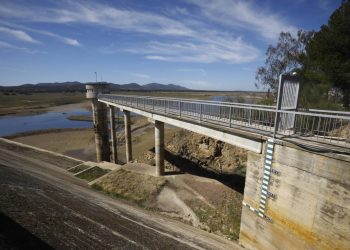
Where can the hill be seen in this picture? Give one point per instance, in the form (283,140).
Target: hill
(76,86)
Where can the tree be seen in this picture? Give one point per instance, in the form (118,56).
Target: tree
(288,55)
(329,52)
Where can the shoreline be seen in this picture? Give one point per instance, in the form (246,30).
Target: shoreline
(45,109)
(88,118)
(43,131)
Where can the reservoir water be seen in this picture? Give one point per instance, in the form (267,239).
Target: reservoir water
(10,125)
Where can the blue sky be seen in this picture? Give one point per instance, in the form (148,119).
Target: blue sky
(200,44)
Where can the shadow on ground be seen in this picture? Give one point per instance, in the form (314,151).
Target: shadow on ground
(233,181)
(14,236)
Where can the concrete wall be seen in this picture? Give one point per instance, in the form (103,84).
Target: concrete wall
(312,208)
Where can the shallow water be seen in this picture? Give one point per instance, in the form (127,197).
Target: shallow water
(13,124)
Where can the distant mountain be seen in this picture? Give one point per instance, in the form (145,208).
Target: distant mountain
(78,86)
(131,86)
(46,87)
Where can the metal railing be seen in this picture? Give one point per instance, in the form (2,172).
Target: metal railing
(315,125)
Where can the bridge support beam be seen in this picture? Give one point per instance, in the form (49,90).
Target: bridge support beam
(112,131)
(128,146)
(159,147)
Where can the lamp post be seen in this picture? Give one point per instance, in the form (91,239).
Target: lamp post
(96,76)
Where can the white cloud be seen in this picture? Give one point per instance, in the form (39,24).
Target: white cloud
(187,38)
(18,34)
(199,51)
(243,14)
(5,45)
(63,39)
(98,14)
(71,42)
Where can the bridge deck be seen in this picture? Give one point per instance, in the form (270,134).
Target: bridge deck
(254,122)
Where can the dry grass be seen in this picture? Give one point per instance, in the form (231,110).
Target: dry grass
(139,188)
(342,132)
(203,95)
(224,217)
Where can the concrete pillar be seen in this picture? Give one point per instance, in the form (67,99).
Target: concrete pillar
(101,131)
(127,126)
(159,147)
(113,137)
(99,112)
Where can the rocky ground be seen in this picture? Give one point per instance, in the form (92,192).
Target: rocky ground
(201,152)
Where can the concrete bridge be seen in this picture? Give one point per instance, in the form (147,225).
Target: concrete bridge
(297,190)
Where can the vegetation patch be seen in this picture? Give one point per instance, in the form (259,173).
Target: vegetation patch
(223,219)
(222,211)
(139,188)
(92,173)
(78,168)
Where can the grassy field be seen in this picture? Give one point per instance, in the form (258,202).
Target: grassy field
(204,95)
(16,103)
(35,102)
(139,188)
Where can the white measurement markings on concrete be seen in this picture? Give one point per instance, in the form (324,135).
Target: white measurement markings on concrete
(265,194)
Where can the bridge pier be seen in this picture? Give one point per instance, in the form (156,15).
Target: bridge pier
(128,146)
(99,112)
(112,131)
(159,147)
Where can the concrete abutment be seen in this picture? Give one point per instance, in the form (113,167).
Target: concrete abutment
(311,208)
